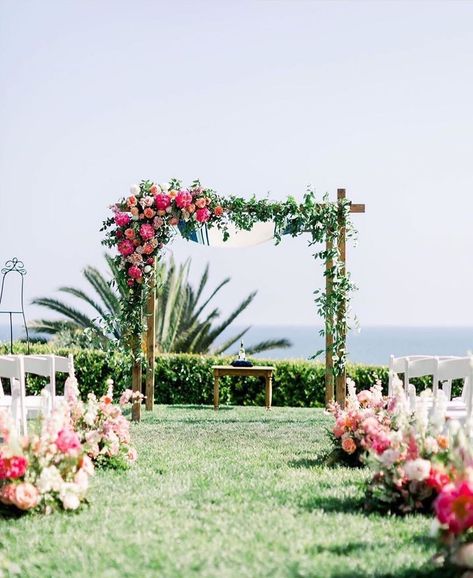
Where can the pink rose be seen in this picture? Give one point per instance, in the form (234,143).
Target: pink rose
(126,247)
(122,219)
(202,215)
(348,445)
(146,231)
(135,272)
(162,201)
(7,494)
(68,442)
(183,199)
(153,189)
(148,213)
(200,203)
(26,496)
(157,222)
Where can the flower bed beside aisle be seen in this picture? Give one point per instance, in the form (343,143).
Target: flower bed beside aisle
(50,469)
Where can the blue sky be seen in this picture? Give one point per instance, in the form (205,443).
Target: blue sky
(251,97)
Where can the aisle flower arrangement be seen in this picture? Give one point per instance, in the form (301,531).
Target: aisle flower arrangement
(45,471)
(102,428)
(454,505)
(364,423)
(412,464)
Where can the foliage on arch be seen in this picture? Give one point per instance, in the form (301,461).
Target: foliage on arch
(147,220)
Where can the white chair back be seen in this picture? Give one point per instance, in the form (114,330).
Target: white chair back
(12,368)
(459,368)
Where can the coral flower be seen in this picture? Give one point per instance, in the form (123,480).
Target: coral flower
(200,203)
(129,233)
(454,506)
(132,201)
(218,211)
(348,445)
(26,496)
(153,189)
(149,213)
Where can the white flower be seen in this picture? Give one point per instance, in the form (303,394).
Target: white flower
(417,470)
(389,457)
(427,393)
(135,190)
(164,187)
(69,495)
(431,446)
(147,268)
(49,480)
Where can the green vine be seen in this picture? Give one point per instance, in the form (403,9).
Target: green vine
(147,220)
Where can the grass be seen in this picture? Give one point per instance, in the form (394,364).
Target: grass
(238,493)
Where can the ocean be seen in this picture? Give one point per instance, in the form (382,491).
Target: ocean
(372,345)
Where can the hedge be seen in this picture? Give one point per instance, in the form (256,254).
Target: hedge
(188,379)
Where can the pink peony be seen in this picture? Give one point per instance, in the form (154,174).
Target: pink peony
(183,199)
(202,215)
(162,201)
(146,231)
(126,247)
(68,442)
(135,272)
(157,222)
(454,506)
(130,282)
(12,468)
(26,496)
(122,219)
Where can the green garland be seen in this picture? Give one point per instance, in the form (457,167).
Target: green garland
(146,221)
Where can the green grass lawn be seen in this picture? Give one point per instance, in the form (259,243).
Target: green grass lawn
(238,493)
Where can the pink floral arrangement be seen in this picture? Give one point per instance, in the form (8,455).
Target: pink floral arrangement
(363,423)
(143,223)
(46,470)
(454,505)
(103,429)
(410,462)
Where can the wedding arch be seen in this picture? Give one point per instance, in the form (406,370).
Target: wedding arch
(150,217)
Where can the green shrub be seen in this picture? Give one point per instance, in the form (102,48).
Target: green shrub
(188,379)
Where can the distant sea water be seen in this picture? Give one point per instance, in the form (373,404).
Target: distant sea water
(372,345)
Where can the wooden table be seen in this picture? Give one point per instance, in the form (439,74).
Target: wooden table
(255,371)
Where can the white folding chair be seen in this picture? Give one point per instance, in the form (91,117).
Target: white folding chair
(458,368)
(48,366)
(42,365)
(12,368)
(417,366)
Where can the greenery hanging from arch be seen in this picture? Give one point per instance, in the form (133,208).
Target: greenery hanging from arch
(147,220)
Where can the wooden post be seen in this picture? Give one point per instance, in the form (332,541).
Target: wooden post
(136,382)
(329,389)
(150,346)
(341,378)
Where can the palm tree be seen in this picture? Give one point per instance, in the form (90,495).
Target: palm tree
(181,322)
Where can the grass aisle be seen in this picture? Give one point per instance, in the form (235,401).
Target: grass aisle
(233,494)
